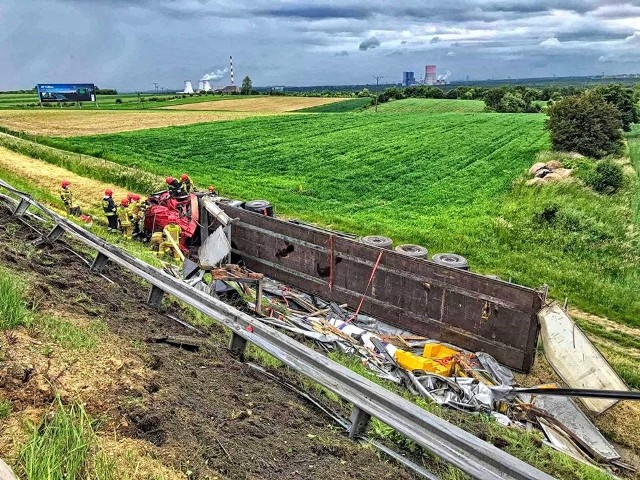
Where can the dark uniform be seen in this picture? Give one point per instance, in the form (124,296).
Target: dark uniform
(175,188)
(110,210)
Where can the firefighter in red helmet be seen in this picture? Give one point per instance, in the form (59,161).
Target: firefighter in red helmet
(187,184)
(175,187)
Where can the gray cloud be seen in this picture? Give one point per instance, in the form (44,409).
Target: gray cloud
(129,44)
(369,43)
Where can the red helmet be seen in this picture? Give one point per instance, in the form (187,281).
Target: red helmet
(108,192)
(65,183)
(136,197)
(130,195)
(124,202)
(169,180)
(184,176)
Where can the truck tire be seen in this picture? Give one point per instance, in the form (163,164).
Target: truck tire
(377,241)
(451,260)
(262,207)
(415,251)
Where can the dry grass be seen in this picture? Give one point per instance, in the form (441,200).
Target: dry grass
(259,105)
(67,123)
(87,193)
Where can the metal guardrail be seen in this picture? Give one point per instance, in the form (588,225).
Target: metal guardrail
(473,456)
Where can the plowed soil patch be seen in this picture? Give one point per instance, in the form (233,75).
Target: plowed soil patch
(65,123)
(201,412)
(263,105)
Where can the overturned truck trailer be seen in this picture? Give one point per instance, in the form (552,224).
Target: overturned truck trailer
(450,305)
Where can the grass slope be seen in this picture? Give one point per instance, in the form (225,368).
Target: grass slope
(431,105)
(351,105)
(450,182)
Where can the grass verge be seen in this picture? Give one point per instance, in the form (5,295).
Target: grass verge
(64,446)
(13,309)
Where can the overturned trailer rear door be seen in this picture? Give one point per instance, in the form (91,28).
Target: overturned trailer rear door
(466,309)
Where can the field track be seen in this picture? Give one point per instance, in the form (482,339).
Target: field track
(263,105)
(68,123)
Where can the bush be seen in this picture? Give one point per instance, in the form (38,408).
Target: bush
(118,100)
(607,177)
(586,124)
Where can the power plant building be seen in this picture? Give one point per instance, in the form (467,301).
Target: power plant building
(408,79)
(430,76)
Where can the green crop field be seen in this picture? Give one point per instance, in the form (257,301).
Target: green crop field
(431,105)
(351,105)
(451,182)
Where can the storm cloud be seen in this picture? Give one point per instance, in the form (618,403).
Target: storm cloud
(372,42)
(129,44)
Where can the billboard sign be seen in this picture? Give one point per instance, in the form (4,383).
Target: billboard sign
(66,92)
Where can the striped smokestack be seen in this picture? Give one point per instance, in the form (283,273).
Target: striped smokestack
(231,68)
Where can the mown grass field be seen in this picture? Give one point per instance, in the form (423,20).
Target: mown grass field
(431,105)
(449,181)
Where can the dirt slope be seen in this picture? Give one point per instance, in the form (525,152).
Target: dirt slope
(68,123)
(202,412)
(262,105)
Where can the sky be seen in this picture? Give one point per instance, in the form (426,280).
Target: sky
(130,44)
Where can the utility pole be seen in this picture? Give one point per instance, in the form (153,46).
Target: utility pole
(377,77)
(156,85)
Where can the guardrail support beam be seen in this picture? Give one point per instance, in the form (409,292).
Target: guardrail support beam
(56,233)
(237,344)
(99,262)
(359,422)
(21,208)
(154,298)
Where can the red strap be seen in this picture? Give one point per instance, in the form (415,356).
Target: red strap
(373,274)
(331,262)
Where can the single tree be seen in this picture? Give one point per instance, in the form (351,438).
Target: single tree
(246,86)
(587,124)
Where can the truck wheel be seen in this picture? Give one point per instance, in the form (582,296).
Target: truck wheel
(415,251)
(262,207)
(377,241)
(451,260)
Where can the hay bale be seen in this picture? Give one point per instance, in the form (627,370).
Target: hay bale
(536,166)
(553,164)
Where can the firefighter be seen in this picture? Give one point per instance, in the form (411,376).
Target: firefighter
(212,190)
(175,187)
(67,198)
(136,210)
(110,210)
(187,184)
(125,219)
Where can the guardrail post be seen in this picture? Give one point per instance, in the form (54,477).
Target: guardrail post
(21,208)
(237,344)
(154,298)
(99,262)
(359,422)
(56,233)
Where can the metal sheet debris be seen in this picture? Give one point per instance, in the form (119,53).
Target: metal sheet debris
(574,358)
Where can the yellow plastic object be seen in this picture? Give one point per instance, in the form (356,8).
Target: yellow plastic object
(438,351)
(436,359)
